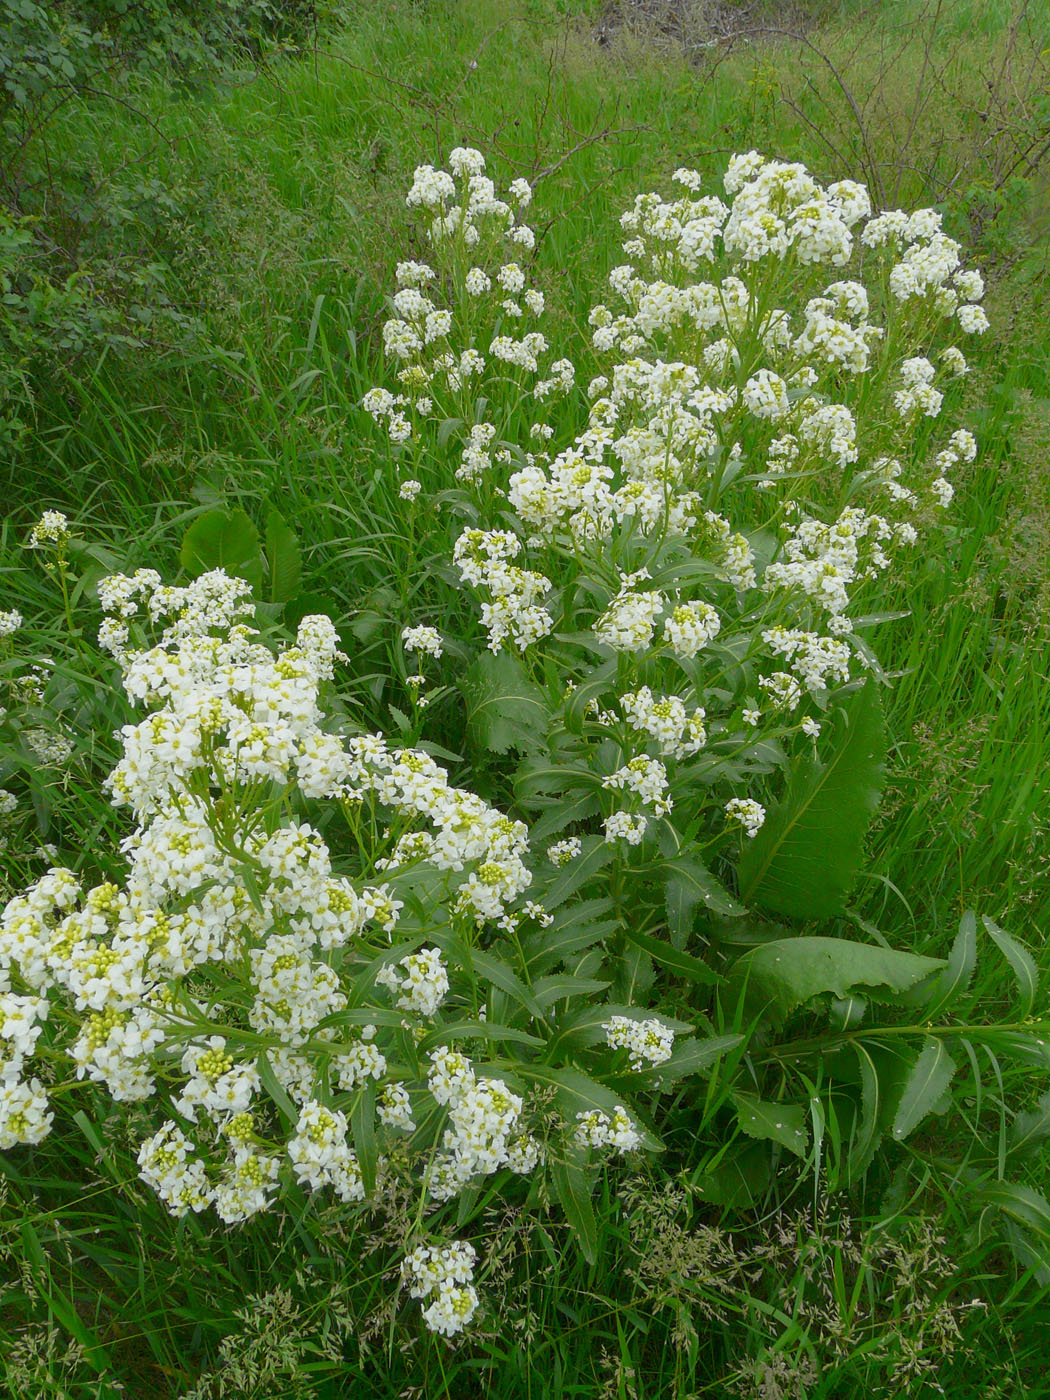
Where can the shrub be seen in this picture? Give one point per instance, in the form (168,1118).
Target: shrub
(330,966)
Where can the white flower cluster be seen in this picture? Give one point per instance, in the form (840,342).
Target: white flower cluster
(562,852)
(422,639)
(755,340)
(443,1274)
(320,1155)
(647,779)
(750,814)
(209,883)
(51,531)
(424,984)
(667,720)
(483,1133)
(615,1130)
(447,329)
(647,1042)
(513,611)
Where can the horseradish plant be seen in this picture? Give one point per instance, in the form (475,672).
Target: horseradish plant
(329,967)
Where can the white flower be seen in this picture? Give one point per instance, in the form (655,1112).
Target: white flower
(564,851)
(598,1129)
(51,529)
(623,826)
(748,813)
(424,639)
(443,1274)
(690,627)
(973,319)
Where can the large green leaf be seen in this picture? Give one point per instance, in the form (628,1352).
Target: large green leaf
(791,971)
(505,709)
(282,558)
(777,1122)
(806,857)
(221,539)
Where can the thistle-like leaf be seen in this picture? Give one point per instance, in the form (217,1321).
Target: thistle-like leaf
(505,708)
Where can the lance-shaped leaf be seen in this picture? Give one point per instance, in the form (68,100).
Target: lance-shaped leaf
(1030,1130)
(778,1122)
(955,978)
(806,857)
(570,1183)
(594,854)
(1027,1223)
(505,708)
(925,1087)
(1021,962)
(674,959)
(691,1056)
(579,1093)
(791,971)
(276,1090)
(363,1132)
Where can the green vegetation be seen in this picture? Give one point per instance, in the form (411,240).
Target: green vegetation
(197,247)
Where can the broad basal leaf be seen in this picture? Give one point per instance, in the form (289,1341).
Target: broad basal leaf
(221,539)
(505,708)
(806,857)
(791,971)
(282,558)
